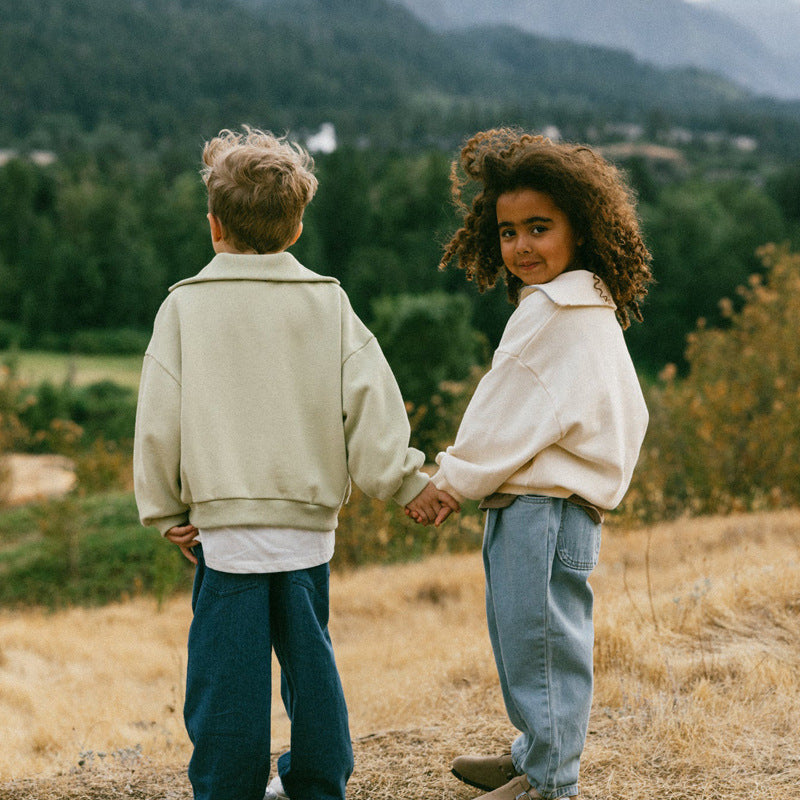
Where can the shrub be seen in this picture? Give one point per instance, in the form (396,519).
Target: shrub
(427,339)
(101,410)
(727,436)
(11,335)
(104,409)
(13,430)
(114,341)
(371,531)
(103,466)
(435,421)
(92,550)
(87,551)
(430,344)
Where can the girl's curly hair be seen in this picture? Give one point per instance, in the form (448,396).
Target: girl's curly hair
(589,190)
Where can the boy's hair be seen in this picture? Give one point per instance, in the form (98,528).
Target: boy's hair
(590,191)
(258,187)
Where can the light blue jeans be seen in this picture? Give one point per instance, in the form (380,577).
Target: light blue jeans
(538,555)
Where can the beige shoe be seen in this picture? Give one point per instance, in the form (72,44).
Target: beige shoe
(484,772)
(516,789)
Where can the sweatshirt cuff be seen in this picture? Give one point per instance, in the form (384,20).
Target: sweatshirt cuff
(165,523)
(440,482)
(410,488)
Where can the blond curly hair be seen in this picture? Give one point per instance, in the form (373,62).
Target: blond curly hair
(258,187)
(589,190)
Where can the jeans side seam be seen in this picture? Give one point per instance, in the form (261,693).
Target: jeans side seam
(548,660)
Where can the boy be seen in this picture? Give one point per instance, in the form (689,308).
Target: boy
(261,395)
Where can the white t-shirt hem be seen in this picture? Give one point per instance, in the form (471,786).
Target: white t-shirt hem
(244,549)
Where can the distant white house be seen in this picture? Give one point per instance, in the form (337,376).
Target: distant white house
(324,140)
(42,158)
(551,132)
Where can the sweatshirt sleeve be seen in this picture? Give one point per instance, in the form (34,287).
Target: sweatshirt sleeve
(376,428)
(156,449)
(510,418)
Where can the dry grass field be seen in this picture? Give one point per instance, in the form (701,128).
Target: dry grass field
(697,677)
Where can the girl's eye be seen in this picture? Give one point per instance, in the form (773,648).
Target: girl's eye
(538,229)
(506,233)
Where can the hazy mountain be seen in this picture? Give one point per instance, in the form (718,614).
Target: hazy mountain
(174,70)
(667,32)
(776,22)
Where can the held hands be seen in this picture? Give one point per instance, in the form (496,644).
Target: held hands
(431,505)
(185,536)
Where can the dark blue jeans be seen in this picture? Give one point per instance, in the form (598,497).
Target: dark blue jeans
(238,620)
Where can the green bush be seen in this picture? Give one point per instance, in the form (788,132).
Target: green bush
(431,347)
(92,550)
(14,433)
(11,335)
(85,551)
(113,341)
(103,410)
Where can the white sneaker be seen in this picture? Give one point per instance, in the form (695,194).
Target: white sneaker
(275,790)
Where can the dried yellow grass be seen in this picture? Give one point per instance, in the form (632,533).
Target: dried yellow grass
(697,677)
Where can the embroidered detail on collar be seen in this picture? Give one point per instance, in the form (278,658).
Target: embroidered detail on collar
(574,288)
(600,287)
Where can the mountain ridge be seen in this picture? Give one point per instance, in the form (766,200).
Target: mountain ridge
(776,22)
(169,69)
(669,33)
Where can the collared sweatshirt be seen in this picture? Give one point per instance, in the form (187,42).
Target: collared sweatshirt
(262,394)
(560,412)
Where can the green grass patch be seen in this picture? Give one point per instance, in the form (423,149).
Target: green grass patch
(39,366)
(84,551)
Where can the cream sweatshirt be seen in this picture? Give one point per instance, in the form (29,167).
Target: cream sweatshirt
(262,394)
(561,411)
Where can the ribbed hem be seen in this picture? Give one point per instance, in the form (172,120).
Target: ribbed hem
(270,513)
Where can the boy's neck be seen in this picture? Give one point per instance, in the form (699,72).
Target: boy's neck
(222,246)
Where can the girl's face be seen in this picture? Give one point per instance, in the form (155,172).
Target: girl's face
(537,241)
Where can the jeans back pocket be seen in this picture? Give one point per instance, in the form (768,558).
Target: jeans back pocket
(578,542)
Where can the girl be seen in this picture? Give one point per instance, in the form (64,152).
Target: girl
(551,436)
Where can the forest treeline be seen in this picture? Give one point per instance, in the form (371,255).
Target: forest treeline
(120,92)
(90,244)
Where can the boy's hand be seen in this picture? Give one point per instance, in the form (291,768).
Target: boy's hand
(185,537)
(431,505)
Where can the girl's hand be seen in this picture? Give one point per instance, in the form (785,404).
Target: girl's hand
(431,505)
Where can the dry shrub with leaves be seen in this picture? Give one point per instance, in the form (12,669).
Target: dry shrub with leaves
(726,437)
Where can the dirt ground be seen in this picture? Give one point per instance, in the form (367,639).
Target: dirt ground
(33,477)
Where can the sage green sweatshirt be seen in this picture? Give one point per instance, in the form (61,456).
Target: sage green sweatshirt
(262,394)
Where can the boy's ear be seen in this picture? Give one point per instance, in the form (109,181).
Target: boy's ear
(297,235)
(217,231)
